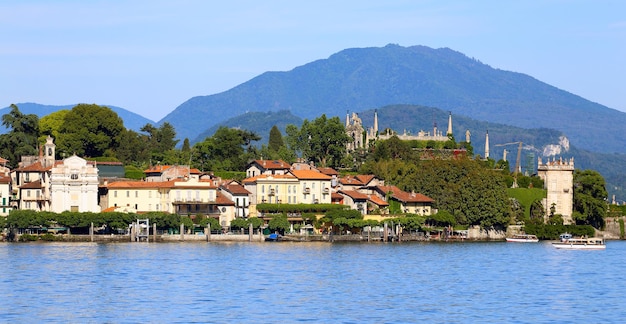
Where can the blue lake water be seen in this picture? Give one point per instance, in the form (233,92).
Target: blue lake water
(310,282)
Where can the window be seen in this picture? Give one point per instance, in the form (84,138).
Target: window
(136,194)
(263,189)
(127,193)
(115,193)
(74,176)
(149,194)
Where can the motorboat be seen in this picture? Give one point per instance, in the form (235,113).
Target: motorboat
(585,243)
(523,238)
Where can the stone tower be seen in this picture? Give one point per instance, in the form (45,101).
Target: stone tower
(49,151)
(449,132)
(487,145)
(558,178)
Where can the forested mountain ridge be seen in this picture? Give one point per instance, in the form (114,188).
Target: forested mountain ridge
(358,79)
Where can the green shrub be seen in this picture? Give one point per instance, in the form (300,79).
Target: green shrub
(49,237)
(28,238)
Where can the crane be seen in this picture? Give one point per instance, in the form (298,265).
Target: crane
(518,168)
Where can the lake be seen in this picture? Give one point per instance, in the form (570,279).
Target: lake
(461,282)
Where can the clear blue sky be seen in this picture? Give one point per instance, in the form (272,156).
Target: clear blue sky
(151,56)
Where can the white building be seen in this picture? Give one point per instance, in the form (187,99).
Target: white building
(74,186)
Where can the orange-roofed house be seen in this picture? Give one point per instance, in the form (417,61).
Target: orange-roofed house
(404,202)
(184,197)
(273,189)
(314,186)
(357,182)
(267,167)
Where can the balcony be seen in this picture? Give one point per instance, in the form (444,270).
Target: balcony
(325,190)
(272,192)
(306,191)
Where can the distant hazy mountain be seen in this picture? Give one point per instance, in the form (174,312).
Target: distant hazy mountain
(365,78)
(131,120)
(258,122)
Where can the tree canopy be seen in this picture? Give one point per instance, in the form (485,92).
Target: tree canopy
(89,130)
(21,140)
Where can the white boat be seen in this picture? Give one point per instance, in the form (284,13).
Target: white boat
(523,238)
(590,243)
(565,236)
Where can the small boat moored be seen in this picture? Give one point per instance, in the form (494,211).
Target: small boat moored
(589,243)
(523,238)
(273,237)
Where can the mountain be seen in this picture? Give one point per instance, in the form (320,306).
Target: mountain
(131,120)
(258,122)
(364,78)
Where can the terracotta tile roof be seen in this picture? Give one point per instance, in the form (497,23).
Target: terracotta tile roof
(335,196)
(134,185)
(178,184)
(37,167)
(223,201)
(350,181)
(157,169)
(374,199)
(272,164)
(403,195)
(328,171)
(354,194)
(235,189)
(365,178)
(309,175)
(5,179)
(32,185)
(109,210)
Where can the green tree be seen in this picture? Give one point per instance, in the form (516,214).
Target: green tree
(161,143)
(22,137)
(590,197)
(50,125)
(323,140)
(279,223)
(132,148)
(227,150)
(275,140)
(89,130)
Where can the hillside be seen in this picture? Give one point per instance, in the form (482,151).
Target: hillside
(364,78)
(131,120)
(258,122)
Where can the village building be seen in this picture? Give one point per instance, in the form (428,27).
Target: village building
(5,188)
(161,173)
(267,167)
(238,194)
(401,201)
